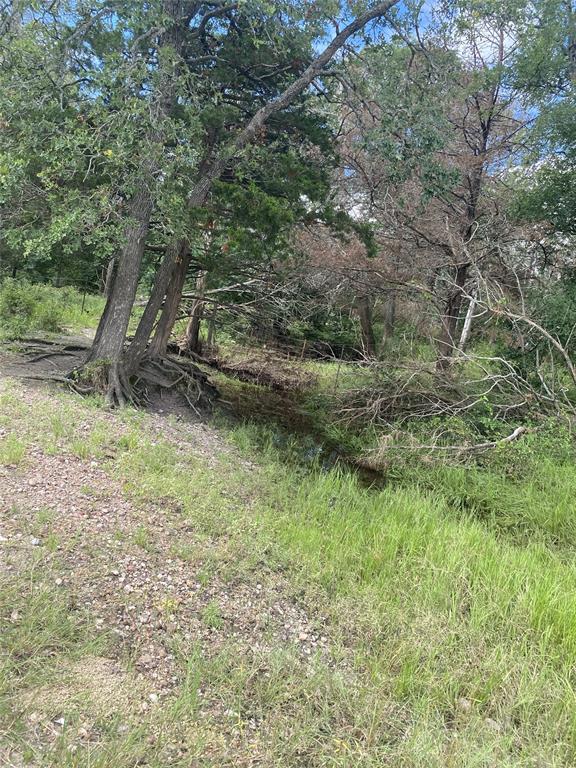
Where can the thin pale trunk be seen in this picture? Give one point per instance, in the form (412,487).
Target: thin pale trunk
(364,310)
(193,327)
(389,319)
(212,326)
(446,340)
(467,324)
(159,344)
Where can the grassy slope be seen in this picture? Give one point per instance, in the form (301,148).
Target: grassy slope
(28,309)
(453,638)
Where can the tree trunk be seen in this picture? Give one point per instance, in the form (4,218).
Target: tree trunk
(176,253)
(193,328)
(212,326)
(108,342)
(108,345)
(175,250)
(159,344)
(389,319)
(446,340)
(364,310)
(109,280)
(467,324)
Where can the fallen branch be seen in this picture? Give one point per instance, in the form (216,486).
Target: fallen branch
(518,432)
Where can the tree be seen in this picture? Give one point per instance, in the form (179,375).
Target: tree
(427,148)
(546,71)
(164,62)
(226,154)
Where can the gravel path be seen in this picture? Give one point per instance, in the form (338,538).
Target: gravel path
(119,559)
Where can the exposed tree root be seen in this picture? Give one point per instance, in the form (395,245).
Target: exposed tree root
(47,355)
(120,388)
(111,379)
(179,374)
(59,379)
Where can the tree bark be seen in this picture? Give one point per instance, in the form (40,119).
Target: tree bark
(110,336)
(446,341)
(176,250)
(467,324)
(159,344)
(389,319)
(109,279)
(108,342)
(364,310)
(193,327)
(212,326)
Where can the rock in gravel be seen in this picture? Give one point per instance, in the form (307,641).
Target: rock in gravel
(492,725)
(465,705)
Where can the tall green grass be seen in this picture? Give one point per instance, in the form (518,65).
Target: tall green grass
(524,491)
(27,308)
(469,636)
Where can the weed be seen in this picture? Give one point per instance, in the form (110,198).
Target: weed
(38,626)
(12,450)
(142,538)
(212,616)
(187,552)
(27,307)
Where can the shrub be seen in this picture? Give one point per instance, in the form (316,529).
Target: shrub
(25,307)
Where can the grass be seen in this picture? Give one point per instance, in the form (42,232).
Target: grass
(12,450)
(143,539)
(41,628)
(212,616)
(448,599)
(444,610)
(30,308)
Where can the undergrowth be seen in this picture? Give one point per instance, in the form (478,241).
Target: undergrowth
(27,308)
(468,633)
(448,598)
